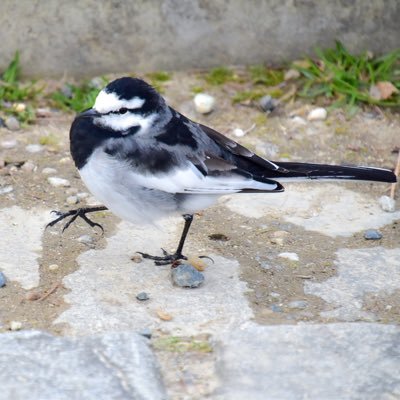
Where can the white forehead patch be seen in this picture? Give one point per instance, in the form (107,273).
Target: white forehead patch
(106,102)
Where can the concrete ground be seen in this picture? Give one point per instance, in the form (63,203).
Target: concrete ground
(297,304)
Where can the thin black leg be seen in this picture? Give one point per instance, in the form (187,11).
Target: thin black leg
(170,258)
(74,214)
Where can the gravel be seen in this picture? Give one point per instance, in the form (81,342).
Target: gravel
(58,182)
(142,296)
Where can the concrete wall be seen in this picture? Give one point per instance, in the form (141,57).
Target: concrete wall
(88,37)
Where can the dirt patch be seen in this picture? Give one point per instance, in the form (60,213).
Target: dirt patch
(367,139)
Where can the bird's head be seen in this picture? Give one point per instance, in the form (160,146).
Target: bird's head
(126,104)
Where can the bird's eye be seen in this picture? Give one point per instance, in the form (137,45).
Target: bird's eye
(122,110)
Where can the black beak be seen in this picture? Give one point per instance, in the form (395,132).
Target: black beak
(89,113)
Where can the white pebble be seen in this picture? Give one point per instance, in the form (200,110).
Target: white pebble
(289,256)
(82,195)
(317,114)
(15,325)
(19,107)
(53,267)
(71,191)
(204,103)
(49,171)
(9,144)
(34,148)
(29,166)
(291,74)
(6,189)
(72,200)
(239,132)
(296,120)
(387,203)
(58,182)
(65,160)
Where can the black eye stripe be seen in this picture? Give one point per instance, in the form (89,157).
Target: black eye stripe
(124,110)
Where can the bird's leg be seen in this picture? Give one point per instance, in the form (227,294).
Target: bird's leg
(74,214)
(170,258)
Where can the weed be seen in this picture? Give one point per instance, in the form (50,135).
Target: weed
(181,345)
(247,96)
(347,80)
(219,76)
(12,90)
(266,76)
(76,97)
(157,79)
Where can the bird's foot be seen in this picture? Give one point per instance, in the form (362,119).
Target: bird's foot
(74,214)
(164,260)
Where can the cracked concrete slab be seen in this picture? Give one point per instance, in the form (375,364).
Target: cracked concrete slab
(39,366)
(21,243)
(103,290)
(349,361)
(328,208)
(359,272)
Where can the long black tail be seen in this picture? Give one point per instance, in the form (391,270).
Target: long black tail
(301,171)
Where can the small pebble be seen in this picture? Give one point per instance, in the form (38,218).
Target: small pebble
(239,132)
(300,304)
(142,296)
(12,123)
(185,275)
(219,237)
(387,203)
(291,74)
(34,148)
(72,200)
(54,267)
(43,112)
(6,189)
(65,160)
(267,103)
(317,114)
(276,308)
(204,103)
(137,258)
(289,256)
(15,325)
(19,107)
(146,332)
(66,90)
(82,195)
(87,240)
(29,166)
(49,171)
(296,120)
(3,279)
(372,234)
(275,295)
(9,144)
(58,182)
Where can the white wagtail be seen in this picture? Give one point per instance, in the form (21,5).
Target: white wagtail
(143,160)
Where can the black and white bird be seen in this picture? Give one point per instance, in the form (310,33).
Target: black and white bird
(144,161)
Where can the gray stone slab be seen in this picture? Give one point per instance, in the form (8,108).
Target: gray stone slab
(92,37)
(37,366)
(347,361)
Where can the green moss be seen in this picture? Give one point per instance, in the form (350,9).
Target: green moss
(176,344)
(219,76)
(266,76)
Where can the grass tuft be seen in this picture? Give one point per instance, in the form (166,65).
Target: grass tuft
(349,80)
(77,97)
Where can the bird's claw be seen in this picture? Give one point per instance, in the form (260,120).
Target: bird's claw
(166,259)
(74,214)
